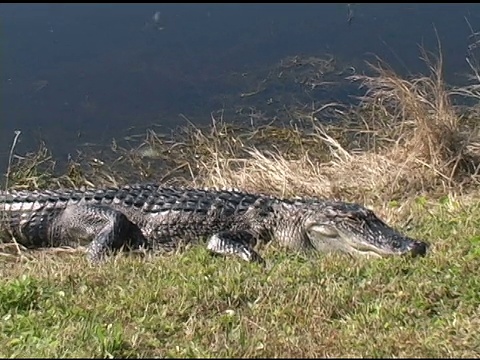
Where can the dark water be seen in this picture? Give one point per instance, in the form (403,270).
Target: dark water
(73,74)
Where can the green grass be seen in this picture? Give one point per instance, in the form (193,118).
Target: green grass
(193,304)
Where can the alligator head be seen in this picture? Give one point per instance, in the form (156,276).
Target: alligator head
(351,228)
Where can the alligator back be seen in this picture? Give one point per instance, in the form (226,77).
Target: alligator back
(159,212)
(146,198)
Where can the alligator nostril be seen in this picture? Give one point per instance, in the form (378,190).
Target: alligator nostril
(419,248)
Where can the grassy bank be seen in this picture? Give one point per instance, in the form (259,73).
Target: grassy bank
(407,152)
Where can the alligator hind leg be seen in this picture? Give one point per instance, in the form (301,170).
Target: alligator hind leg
(104,228)
(235,243)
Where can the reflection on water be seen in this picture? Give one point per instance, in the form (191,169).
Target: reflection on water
(39,85)
(155,22)
(75,74)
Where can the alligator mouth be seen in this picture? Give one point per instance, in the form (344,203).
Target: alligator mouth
(414,248)
(367,252)
(383,243)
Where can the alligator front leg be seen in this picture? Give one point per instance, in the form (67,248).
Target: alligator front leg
(104,228)
(235,243)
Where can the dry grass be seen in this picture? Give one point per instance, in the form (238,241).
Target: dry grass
(408,139)
(405,139)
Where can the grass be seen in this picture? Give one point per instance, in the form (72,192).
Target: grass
(406,151)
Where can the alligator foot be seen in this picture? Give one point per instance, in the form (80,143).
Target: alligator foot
(236,243)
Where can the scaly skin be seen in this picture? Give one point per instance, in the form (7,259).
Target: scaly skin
(163,218)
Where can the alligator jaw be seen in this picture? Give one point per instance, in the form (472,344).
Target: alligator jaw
(408,247)
(362,235)
(418,248)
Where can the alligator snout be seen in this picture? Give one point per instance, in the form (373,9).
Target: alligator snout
(419,248)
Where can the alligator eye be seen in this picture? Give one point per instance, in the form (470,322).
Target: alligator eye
(324,230)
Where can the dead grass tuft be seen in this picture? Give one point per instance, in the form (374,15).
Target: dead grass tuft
(408,139)
(421,121)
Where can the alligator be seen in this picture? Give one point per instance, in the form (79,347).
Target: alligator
(162,218)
